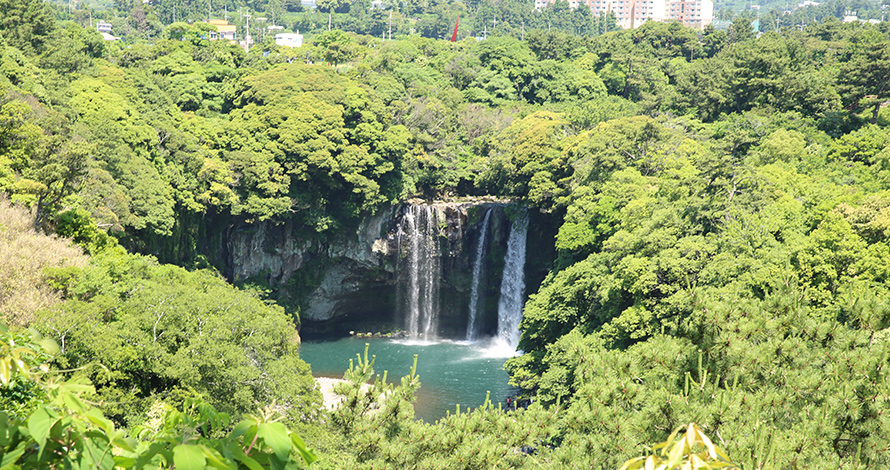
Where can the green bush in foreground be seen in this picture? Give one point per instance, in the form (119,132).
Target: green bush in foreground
(65,431)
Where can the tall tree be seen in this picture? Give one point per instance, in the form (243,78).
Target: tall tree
(25,24)
(865,79)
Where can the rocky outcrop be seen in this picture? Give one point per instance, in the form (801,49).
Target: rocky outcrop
(357,278)
(265,249)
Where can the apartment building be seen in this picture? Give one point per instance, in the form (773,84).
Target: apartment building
(224,30)
(632,13)
(693,14)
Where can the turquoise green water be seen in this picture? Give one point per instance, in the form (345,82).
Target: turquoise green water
(451,373)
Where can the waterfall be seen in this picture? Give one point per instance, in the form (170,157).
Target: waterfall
(513,284)
(472,324)
(421,228)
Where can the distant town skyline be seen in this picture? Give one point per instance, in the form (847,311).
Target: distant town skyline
(631,14)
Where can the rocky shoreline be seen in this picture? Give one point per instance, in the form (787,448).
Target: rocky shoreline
(330,399)
(326,385)
(401,334)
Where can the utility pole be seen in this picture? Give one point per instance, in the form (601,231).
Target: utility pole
(226,13)
(390,25)
(209,10)
(247,28)
(329,21)
(523,31)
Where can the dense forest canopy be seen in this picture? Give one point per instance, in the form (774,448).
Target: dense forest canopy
(722,199)
(430,18)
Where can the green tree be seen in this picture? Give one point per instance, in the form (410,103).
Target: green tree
(26,25)
(335,46)
(72,49)
(864,80)
(527,162)
(555,45)
(309,142)
(19,140)
(141,331)
(508,57)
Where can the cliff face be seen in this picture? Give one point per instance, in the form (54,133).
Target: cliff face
(360,280)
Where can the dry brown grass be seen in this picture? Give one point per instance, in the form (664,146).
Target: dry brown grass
(24,253)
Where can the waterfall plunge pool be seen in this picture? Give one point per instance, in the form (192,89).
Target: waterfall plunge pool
(451,372)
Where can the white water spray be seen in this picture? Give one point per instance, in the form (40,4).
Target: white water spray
(472,324)
(424,271)
(513,284)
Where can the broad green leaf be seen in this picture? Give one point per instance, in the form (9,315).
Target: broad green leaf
(4,429)
(277,464)
(677,453)
(692,433)
(12,456)
(633,464)
(667,443)
(242,428)
(650,463)
(166,454)
(78,385)
(722,454)
(5,370)
(124,462)
(121,440)
(96,452)
(306,452)
(275,436)
(154,449)
(39,425)
(97,418)
(214,460)
(239,455)
(188,457)
(72,401)
(697,462)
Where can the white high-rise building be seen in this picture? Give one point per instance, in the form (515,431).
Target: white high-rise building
(632,13)
(693,14)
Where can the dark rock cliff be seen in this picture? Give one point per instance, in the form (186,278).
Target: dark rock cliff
(355,281)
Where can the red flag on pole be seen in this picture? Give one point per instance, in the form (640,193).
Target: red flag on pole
(454,36)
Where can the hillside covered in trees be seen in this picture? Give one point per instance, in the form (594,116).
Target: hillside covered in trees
(723,204)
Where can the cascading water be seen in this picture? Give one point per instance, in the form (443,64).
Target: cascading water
(513,284)
(432,246)
(472,324)
(421,229)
